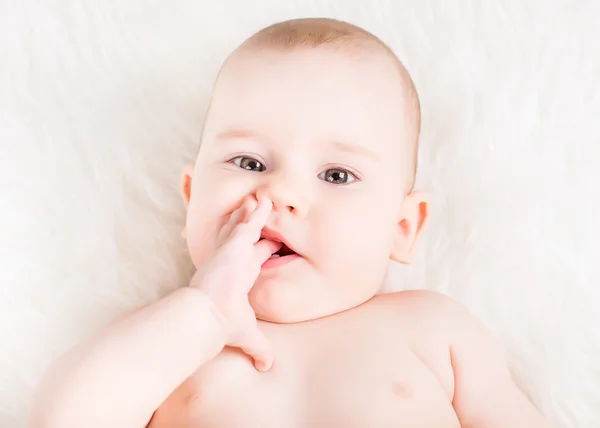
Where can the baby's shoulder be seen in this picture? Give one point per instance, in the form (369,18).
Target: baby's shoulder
(418,297)
(425,322)
(421,302)
(430,311)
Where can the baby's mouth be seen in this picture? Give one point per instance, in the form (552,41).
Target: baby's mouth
(283,251)
(274,236)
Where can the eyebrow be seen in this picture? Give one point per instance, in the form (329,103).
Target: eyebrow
(245,134)
(238,134)
(349,148)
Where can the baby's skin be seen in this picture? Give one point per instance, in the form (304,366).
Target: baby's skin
(300,196)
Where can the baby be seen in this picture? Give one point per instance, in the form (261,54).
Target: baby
(301,194)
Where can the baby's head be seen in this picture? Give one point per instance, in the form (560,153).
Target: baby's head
(320,117)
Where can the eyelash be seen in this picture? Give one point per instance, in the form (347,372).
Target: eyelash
(355,175)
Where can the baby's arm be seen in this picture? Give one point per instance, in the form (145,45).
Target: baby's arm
(122,376)
(485,394)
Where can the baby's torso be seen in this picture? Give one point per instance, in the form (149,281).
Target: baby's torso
(368,367)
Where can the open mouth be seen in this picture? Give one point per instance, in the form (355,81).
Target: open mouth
(282,257)
(283,251)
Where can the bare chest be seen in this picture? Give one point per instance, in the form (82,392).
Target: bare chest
(342,378)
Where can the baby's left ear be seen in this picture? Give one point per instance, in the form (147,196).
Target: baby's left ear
(413,218)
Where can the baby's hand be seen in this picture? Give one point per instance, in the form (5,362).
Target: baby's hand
(230,274)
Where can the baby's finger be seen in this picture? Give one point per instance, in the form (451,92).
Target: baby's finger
(251,206)
(265,249)
(258,218)
(259,348)
(239,215)
(249,231)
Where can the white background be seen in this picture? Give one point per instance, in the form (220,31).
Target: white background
(101,104)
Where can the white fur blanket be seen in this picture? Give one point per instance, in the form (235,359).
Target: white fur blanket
(101,103)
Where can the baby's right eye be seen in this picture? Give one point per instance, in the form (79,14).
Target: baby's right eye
(248,163)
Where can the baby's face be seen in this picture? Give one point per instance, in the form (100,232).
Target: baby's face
(322,136)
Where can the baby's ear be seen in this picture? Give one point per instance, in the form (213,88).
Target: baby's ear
(410,226)
(186,184)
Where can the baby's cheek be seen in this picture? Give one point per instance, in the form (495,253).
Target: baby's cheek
(227,193)
(200,241)
(365,233)
(341,240)
(201,233)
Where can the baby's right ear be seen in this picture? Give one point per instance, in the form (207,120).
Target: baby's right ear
(186,184)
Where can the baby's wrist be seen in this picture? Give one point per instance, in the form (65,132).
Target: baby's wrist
(215,313)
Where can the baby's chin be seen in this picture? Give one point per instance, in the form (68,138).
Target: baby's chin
(285,304)
(276,310)
(279,316)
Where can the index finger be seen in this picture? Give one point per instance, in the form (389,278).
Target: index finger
(258,218)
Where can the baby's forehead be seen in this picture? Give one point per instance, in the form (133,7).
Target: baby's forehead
(310,95)
(375,64)
(313,79)
(347,69)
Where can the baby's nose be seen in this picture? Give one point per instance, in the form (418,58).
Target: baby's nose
(285,197)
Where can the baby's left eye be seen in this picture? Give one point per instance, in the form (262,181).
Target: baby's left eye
(337,176)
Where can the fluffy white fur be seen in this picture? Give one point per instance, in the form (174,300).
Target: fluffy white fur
(101,104)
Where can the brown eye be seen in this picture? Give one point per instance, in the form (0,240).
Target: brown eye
(248,163)
(337,176)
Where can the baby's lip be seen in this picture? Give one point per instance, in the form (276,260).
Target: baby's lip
(273,235)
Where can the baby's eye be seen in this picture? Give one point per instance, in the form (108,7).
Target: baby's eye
(337,176)
(248,163)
